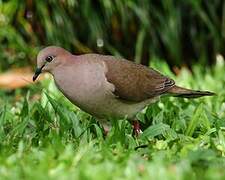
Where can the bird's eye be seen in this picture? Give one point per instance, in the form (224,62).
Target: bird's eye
(49,58)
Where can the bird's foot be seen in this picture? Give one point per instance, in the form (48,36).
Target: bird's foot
(136,128)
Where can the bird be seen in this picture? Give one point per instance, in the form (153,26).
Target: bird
(108,87)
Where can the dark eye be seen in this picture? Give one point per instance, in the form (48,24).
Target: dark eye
(49,58)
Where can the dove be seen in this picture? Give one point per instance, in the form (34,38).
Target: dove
(108,87)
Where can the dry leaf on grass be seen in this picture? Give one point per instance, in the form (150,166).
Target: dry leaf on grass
(16,78)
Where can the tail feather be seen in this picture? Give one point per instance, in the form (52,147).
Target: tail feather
(188,93)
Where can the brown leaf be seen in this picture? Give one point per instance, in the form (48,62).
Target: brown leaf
(16,78)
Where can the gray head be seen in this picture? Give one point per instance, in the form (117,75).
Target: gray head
(49,58)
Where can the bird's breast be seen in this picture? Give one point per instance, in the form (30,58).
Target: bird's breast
(85,85)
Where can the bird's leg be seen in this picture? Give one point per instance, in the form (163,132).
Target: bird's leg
(136,128)
(106,126)
(106,130)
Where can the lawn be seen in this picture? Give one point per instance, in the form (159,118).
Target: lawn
(44,136)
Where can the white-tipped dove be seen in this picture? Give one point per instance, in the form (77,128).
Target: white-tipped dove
(106,86)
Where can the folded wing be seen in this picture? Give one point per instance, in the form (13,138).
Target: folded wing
(135,82)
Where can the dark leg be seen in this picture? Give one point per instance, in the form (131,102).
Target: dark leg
(136,128)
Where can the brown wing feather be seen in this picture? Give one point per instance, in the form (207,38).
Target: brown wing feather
(135,82)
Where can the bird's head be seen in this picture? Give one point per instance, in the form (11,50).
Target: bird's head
(49,58)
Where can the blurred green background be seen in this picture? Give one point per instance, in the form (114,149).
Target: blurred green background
(181,32)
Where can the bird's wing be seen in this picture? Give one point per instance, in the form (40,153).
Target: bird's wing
(135,82)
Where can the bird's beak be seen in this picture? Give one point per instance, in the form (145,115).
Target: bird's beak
(37,73)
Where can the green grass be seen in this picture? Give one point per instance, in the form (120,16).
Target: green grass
(49,138)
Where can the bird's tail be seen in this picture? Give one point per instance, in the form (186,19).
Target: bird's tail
(188,93)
